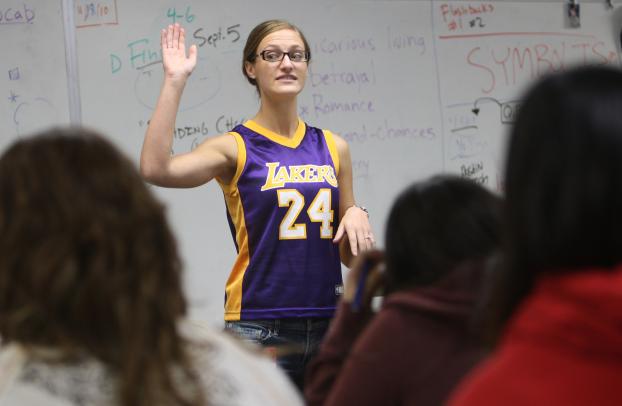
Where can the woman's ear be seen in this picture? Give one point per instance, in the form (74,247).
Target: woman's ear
(250,69)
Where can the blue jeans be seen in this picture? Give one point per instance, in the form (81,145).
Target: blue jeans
(295,341)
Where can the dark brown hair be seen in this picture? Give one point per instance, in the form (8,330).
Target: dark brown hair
(563,179)
(438,225)
(260,32)
(88,264)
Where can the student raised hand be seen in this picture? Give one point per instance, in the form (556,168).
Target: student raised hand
(365,279)
(177,65)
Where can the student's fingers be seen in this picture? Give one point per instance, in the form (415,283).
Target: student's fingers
(352,279)
(373,259)
(357,263)
(375,281)
(355,269)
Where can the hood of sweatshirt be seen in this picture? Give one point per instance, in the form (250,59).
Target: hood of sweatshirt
(453,296)
(579,311)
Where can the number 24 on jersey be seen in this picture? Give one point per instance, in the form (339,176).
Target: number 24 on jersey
(319,211)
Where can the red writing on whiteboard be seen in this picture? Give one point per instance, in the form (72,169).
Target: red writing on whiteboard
(95,13)
(458,17)
(511,65)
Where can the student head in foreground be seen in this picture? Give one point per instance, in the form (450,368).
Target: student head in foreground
(91,300)
(440,235)
(559,301)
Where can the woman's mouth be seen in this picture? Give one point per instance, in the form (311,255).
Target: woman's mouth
(286,77)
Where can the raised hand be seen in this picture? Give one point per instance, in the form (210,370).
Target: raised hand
(177,65)
(374,278)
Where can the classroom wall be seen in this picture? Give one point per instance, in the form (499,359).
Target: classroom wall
(415,87)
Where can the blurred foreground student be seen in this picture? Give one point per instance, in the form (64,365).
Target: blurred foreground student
(439,236)
(561,292)
(91,293)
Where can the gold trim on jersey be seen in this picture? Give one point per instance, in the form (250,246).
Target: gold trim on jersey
(279,139)
(233,289)
(332,149)
(241,161)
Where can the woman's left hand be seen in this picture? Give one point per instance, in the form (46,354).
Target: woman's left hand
(355,225)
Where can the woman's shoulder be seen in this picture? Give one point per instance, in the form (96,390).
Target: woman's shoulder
(331,137)
(320,130)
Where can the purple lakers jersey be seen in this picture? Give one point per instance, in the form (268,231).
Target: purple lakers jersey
(283,209)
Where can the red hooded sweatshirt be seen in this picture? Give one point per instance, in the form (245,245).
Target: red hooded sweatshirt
(562,347)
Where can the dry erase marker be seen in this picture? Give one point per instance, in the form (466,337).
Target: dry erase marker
(360,287)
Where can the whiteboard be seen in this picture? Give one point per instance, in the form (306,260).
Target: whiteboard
(399,80)
(33,78)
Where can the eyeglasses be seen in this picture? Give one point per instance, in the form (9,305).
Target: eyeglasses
(273,55)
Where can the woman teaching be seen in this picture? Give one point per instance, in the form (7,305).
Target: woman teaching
(287,188)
